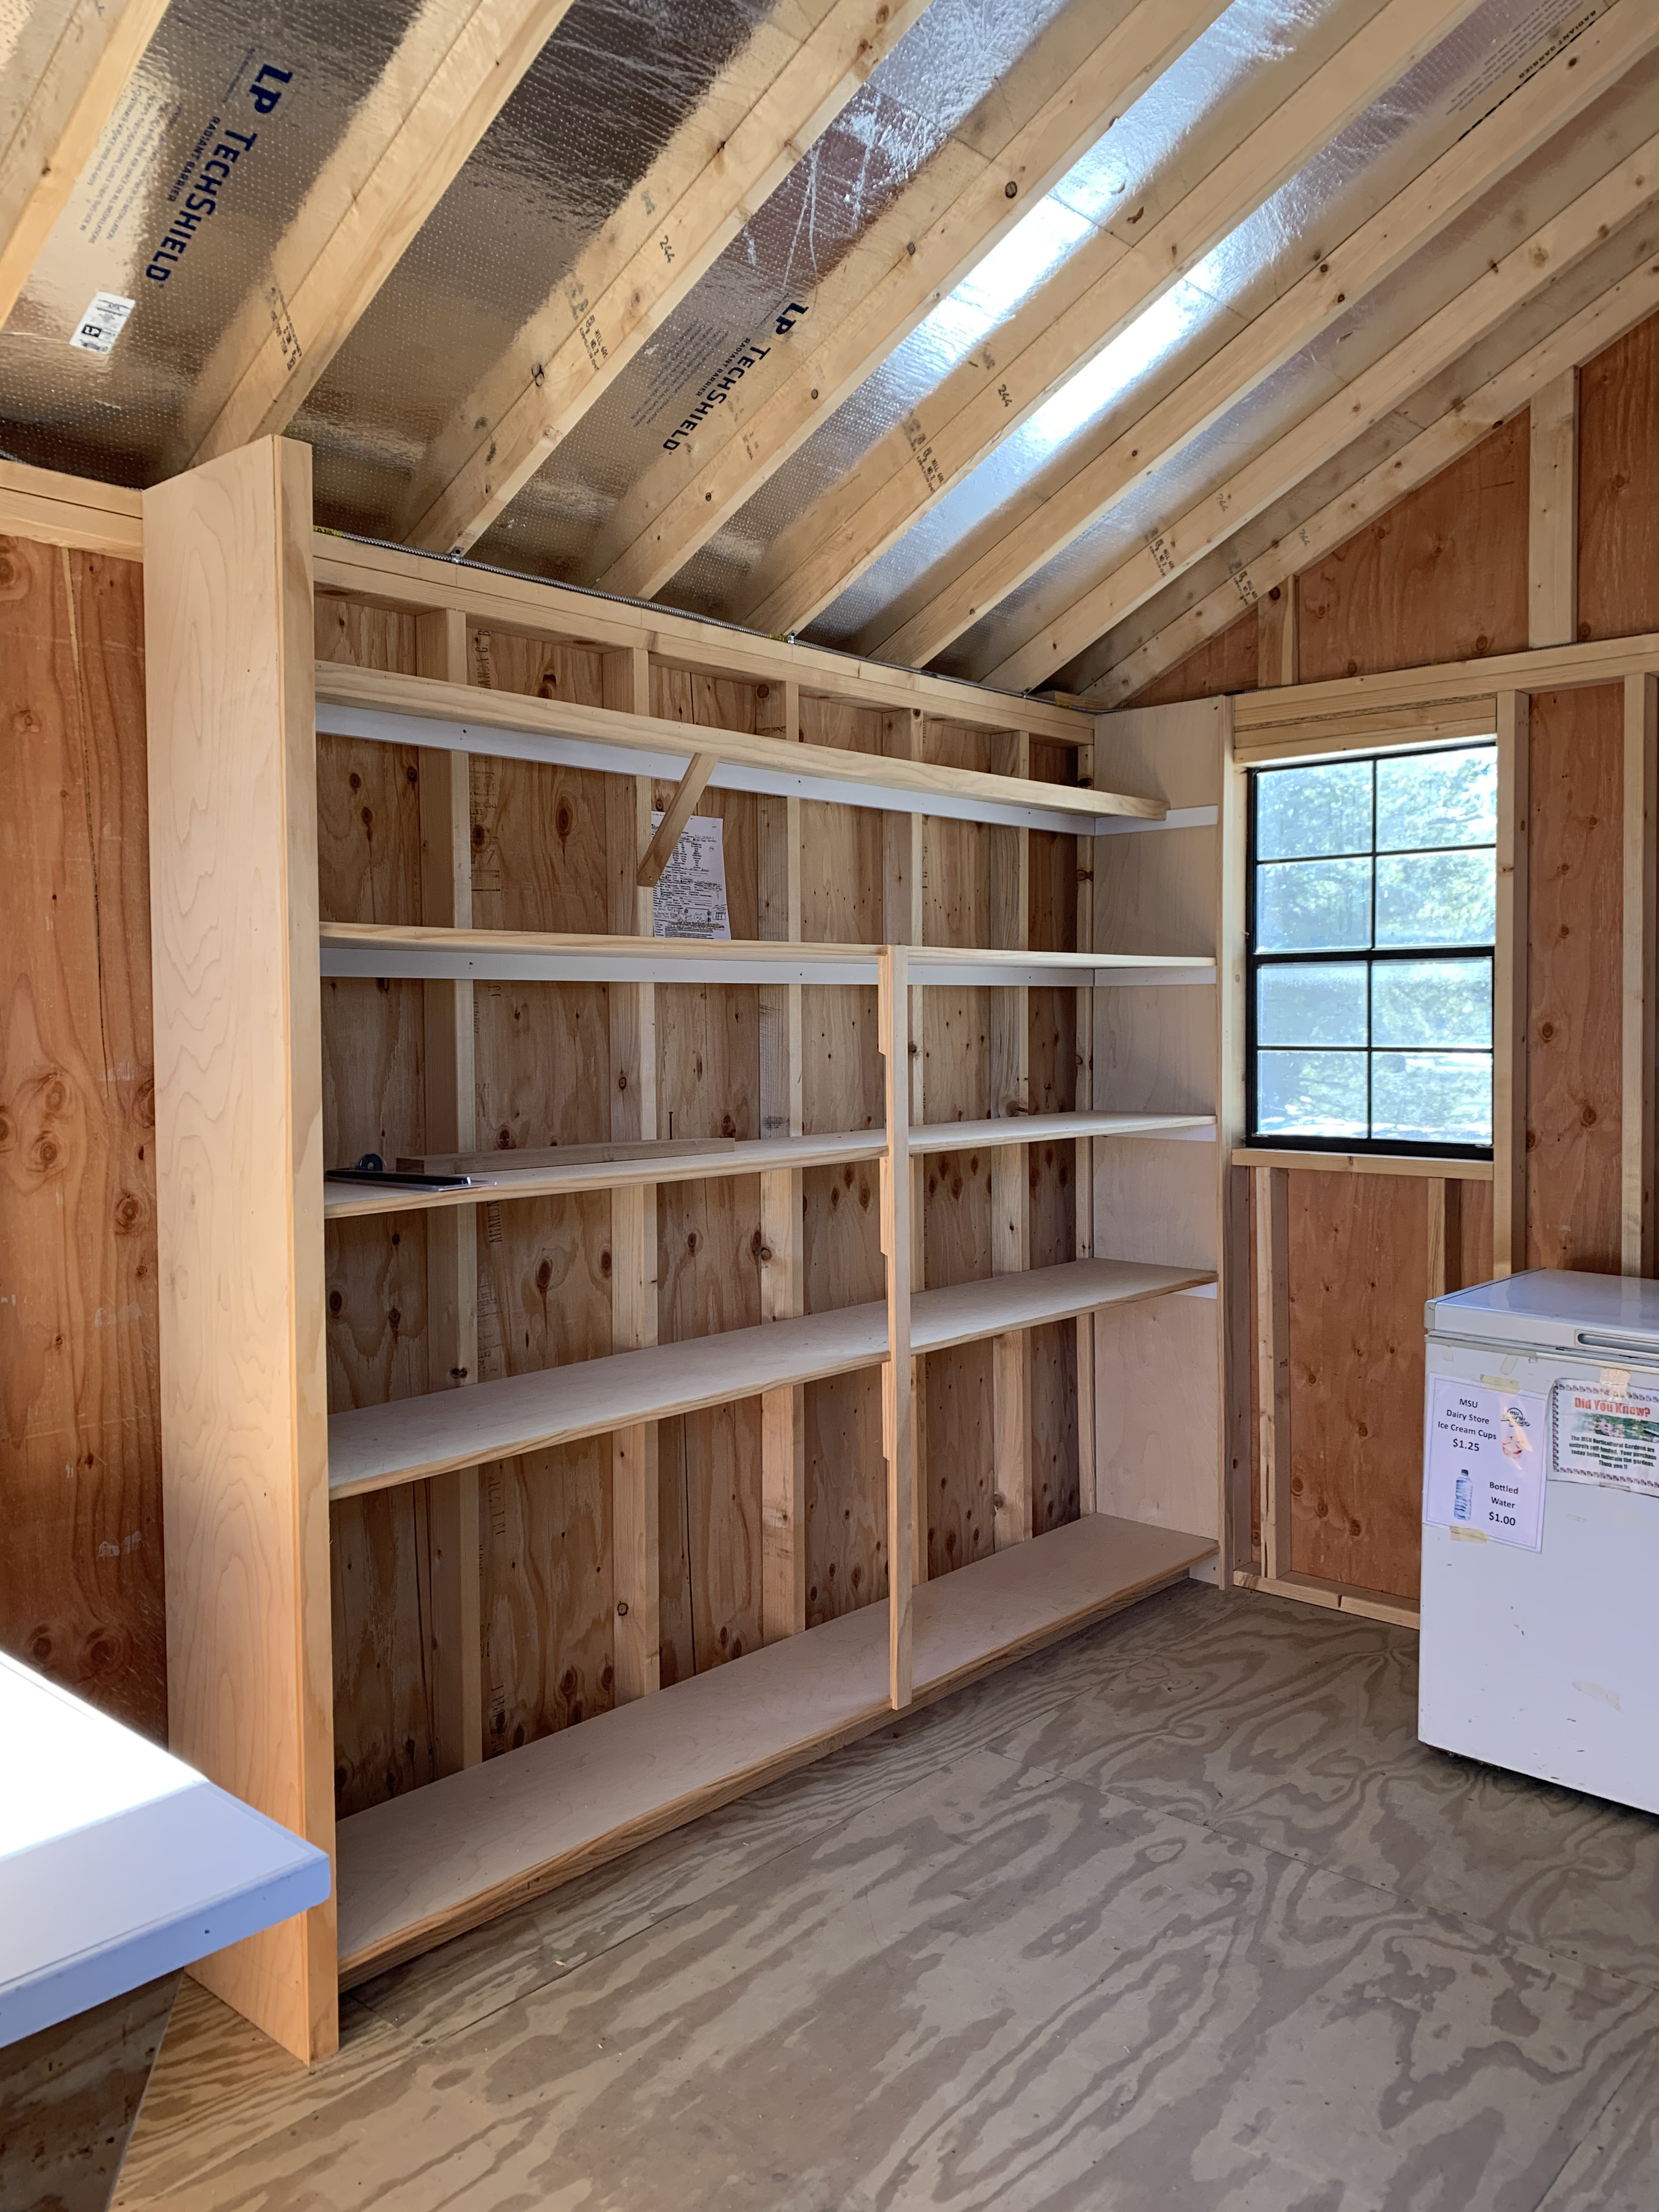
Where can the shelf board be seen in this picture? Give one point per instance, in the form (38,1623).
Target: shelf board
(428,1865)
(377,1447)
(1039,1128)
(412,710)
(372,950)
(601,1169)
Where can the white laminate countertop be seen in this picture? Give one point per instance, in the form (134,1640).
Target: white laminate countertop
(117,1862)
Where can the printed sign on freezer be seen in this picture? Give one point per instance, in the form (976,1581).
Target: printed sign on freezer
(1484,1462)
(1604,1437)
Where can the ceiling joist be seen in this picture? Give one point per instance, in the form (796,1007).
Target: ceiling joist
(1421,211)
(767,108)
(1061,633)
(65,78)
(1051,108)
(459,64)
(1095,293)
(1455,432)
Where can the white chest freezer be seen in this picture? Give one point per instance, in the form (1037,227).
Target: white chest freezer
(1541,1538)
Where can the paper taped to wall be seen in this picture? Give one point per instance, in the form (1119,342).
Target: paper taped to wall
(1610,1438)
(1484,1462)
(691,894)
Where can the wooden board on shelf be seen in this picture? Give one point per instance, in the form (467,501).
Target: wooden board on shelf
(600,1167)
(371,1447)
(411,710)
(1043,1128)
(423,1867)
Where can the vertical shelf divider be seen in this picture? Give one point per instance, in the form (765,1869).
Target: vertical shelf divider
(634,1509)
(451,1248)
(783,1418)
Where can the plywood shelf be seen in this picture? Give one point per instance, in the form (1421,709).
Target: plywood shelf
(411,1439)
(604,1167)
(426,1866)
(1043,1128)
(412,710)
(371,949)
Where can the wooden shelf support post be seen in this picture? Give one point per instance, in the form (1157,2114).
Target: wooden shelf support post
(232,739)
(1010,1095)
(904,873)
(1083,1177)
(452,1249)
(1272,1357)
(636,1570)
(1641,973)
(897,1391)
(783,1417)
(1508,1071)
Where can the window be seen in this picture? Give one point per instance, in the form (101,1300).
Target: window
(1372,909)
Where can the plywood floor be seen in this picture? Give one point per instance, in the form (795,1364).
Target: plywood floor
(1176,1916)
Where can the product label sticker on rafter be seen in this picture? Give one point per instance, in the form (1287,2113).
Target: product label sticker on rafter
(691,894)
(102,324)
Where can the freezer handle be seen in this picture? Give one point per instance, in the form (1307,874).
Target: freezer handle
(1636,1347)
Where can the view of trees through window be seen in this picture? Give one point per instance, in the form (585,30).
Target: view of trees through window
(1373,905)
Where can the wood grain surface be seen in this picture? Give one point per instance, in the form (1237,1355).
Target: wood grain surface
(1619,487)
(1358,1259)
(82,1591)
(1442,576)
(1574,980)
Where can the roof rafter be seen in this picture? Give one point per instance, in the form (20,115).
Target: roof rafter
(1072,317)
(1434,344)
(797,71)
(66,80)
(1418,213)
(1462,426)
(458,64)
(1065,92)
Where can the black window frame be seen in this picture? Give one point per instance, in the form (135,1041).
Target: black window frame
(1255,960)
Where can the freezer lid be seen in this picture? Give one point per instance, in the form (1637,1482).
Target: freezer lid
(1551,1310)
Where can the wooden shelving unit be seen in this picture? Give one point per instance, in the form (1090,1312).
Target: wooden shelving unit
(648,1389)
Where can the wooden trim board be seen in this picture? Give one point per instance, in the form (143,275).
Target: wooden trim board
(410,1439)
(425,1867)
(1267,1156)
(1335,1597)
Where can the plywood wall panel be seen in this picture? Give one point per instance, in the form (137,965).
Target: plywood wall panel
(1357,1259)
(1441,576)
(542,1066)
(709,1240)
(1573,980)
(82,1590)
(368,852)
(1619,487)
(1226,662)
(842,1089)
(956,1203)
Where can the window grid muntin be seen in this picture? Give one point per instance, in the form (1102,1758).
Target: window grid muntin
(1371,957)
